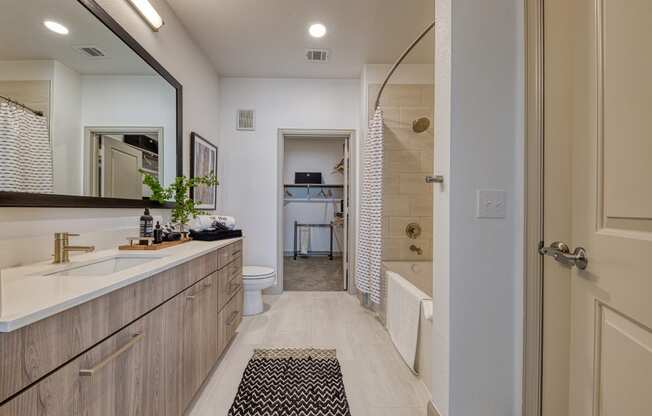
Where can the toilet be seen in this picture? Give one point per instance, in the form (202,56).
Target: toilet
(255,279)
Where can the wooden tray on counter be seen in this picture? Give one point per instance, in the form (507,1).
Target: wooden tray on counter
(161,246)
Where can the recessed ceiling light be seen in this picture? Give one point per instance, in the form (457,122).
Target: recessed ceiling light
(56,27)
(317,30)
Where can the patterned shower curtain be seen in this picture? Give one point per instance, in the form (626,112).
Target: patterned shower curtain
(25,154)
(369,250)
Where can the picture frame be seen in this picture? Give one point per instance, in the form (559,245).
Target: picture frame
(203,161)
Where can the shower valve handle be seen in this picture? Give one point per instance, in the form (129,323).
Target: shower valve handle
(435,179)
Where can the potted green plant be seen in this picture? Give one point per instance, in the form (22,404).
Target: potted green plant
(185,207)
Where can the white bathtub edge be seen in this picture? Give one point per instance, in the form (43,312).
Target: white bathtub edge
(427,309)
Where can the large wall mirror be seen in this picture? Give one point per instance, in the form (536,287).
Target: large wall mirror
(84,109)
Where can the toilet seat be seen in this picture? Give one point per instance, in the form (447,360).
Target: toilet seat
(256,272)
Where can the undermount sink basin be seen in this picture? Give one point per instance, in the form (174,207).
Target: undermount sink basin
(103,267)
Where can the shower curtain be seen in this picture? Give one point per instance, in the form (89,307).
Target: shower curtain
(369,250)
(25,154)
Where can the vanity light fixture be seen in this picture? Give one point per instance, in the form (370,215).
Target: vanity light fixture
(149,13)
(56,27)
(317,30)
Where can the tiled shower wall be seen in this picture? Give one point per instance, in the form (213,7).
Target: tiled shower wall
(408,159)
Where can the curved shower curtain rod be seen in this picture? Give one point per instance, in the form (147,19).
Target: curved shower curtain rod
(400,60)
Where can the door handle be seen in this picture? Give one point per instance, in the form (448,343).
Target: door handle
(561,252)
(435,179)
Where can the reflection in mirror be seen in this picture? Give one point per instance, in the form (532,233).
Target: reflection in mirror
(80,112)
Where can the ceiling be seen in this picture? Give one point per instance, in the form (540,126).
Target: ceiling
(25,38)
(269,38)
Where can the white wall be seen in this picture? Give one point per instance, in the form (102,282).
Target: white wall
(312,155)
(66,130)
(174,49)
(480,48)
(133,101)
(250,158)
(33,70)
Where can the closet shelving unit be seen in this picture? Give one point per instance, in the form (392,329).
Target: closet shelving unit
(308,197)
(297,225)
(312,199)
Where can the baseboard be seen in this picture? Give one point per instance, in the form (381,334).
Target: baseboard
(431,410)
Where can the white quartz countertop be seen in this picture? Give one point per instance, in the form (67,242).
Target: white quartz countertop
(28,294)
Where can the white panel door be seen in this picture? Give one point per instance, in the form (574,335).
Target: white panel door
(121,170)
(605,154)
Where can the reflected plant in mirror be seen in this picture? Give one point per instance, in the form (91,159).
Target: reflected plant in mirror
(185,206)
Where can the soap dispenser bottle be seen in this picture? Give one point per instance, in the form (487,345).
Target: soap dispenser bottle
(146,225)
(158,233)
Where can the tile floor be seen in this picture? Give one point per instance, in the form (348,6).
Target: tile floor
(377,381)
(313,273)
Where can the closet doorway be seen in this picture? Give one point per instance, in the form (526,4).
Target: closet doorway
(315,206)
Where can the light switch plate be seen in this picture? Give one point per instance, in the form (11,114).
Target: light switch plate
(491,203)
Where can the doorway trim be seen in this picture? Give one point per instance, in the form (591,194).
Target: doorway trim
(347,135)
(534,205)
(89,181)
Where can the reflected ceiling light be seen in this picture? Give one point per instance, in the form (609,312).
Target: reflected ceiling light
(149,13)
(56,27)
(317,30)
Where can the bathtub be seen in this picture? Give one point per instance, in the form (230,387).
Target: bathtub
(419,273)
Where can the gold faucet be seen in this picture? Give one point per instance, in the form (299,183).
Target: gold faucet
(62,248)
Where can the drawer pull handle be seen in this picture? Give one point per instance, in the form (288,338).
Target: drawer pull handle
(235,253)
(231,319)
(205,286)
(129,345)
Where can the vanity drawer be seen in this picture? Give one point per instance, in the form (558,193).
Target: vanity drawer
(227,254)
(230,281)
(229,319)
(187,274)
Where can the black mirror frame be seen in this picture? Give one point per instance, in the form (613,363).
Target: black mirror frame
(25,199)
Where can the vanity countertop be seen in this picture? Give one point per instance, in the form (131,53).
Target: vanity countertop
(28,295)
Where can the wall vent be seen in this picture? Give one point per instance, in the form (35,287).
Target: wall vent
(317,55)
(246,120)
(90,51)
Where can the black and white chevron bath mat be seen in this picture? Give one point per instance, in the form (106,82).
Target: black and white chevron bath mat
(291,382)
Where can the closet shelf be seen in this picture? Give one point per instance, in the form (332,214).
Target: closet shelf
(316,200)
(310,185)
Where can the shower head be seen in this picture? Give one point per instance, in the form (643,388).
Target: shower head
(421,125)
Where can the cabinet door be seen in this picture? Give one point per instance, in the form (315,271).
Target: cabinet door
(120,376)
(200,339)
(173,355)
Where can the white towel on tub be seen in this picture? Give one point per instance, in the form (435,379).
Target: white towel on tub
(403,314)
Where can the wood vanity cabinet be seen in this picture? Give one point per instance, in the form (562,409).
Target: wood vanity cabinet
(154,365)
(200,338)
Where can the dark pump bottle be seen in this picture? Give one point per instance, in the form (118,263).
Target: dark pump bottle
(146,224)
(158,234)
